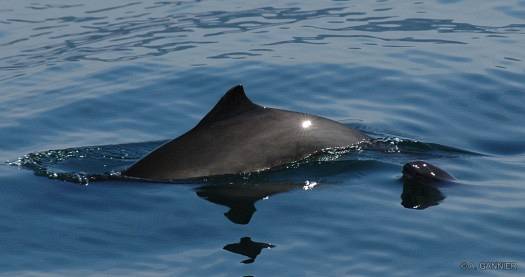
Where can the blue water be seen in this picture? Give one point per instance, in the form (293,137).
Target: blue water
(103,82)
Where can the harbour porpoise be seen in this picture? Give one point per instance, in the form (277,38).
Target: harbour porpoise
(426,173)
(239,136)
(421,182)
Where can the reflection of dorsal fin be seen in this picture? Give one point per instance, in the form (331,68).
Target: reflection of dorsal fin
(232,103)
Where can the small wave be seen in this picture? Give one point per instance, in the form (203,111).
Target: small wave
(85,164)
(106,162)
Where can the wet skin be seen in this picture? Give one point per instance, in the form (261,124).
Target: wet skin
(420,185)
(238,136)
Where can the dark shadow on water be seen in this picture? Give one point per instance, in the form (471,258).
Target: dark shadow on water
(249,248)
(241,198)
(420,196)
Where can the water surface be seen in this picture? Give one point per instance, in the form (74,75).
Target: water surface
(101,83)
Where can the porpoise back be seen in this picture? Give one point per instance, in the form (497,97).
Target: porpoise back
(238,136)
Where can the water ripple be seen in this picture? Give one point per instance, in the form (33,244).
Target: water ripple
(133,31)
(417,75)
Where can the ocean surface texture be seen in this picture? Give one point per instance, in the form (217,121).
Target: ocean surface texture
(88,87)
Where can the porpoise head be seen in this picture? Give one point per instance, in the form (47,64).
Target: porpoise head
(424,172)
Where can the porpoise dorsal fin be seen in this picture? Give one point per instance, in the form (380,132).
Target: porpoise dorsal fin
(233,102)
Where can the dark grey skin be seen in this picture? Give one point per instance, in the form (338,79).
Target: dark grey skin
(424,172)
(238,136)
(420,185)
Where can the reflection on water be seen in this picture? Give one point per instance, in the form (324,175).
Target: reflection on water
(241,198)
(420,195)
(98,72)
(249,248)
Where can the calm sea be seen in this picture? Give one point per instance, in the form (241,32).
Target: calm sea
(101,83)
